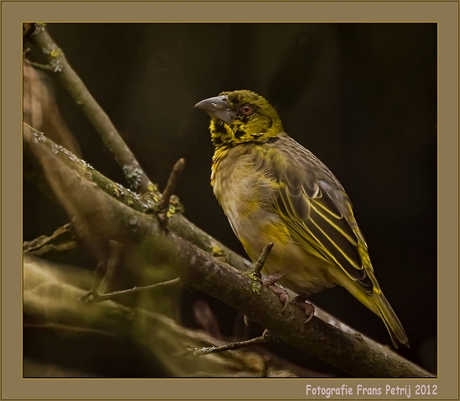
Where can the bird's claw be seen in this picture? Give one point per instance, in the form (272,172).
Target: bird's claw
(272,279)
(270,282)
(308,308)
(310,313)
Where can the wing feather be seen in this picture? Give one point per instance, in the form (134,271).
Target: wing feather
(316,210)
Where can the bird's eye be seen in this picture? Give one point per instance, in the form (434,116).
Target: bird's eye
(246,109)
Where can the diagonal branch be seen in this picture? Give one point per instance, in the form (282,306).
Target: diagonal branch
(177,223)
(133,172)
(324,336)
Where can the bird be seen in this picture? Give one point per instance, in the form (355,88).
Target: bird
(272,189)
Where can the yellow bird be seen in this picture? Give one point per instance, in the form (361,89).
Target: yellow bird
(272,189)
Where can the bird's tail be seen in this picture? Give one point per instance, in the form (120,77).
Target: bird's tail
(377,303)
(388,315)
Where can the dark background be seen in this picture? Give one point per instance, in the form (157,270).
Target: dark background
(362,97)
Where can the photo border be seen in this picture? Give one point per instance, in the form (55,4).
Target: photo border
(445,14)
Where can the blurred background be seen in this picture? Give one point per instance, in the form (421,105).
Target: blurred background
(361,97)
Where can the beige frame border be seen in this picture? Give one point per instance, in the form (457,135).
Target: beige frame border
(13,13)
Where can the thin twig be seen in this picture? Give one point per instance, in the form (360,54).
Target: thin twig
(95,297)
(263,339)
(113,262)
(44,67)
(262,259)
(162,207)
(133,172)
(101,273)
(27,29)
(63,239)
(254,273)
(270,281)
(172,183)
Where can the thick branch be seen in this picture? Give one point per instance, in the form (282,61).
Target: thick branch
(177,223)
(353,353)
(133,172)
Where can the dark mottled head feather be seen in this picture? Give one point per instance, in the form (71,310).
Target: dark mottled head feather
(263,123)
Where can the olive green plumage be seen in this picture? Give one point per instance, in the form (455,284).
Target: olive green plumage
(272,189)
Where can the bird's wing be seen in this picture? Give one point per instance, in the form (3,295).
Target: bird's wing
(317,212)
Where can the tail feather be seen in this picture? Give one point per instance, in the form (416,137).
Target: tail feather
(377,303)
(392,323)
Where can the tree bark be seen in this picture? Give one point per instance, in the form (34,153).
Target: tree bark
(99,214)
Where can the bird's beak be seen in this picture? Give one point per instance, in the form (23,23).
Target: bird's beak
(217,107)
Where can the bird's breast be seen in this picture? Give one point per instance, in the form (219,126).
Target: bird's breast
(247,199)
(245,194)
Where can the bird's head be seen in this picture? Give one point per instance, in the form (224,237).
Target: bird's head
(240,116)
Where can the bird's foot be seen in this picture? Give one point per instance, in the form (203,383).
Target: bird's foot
(270,282)
(301,301)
